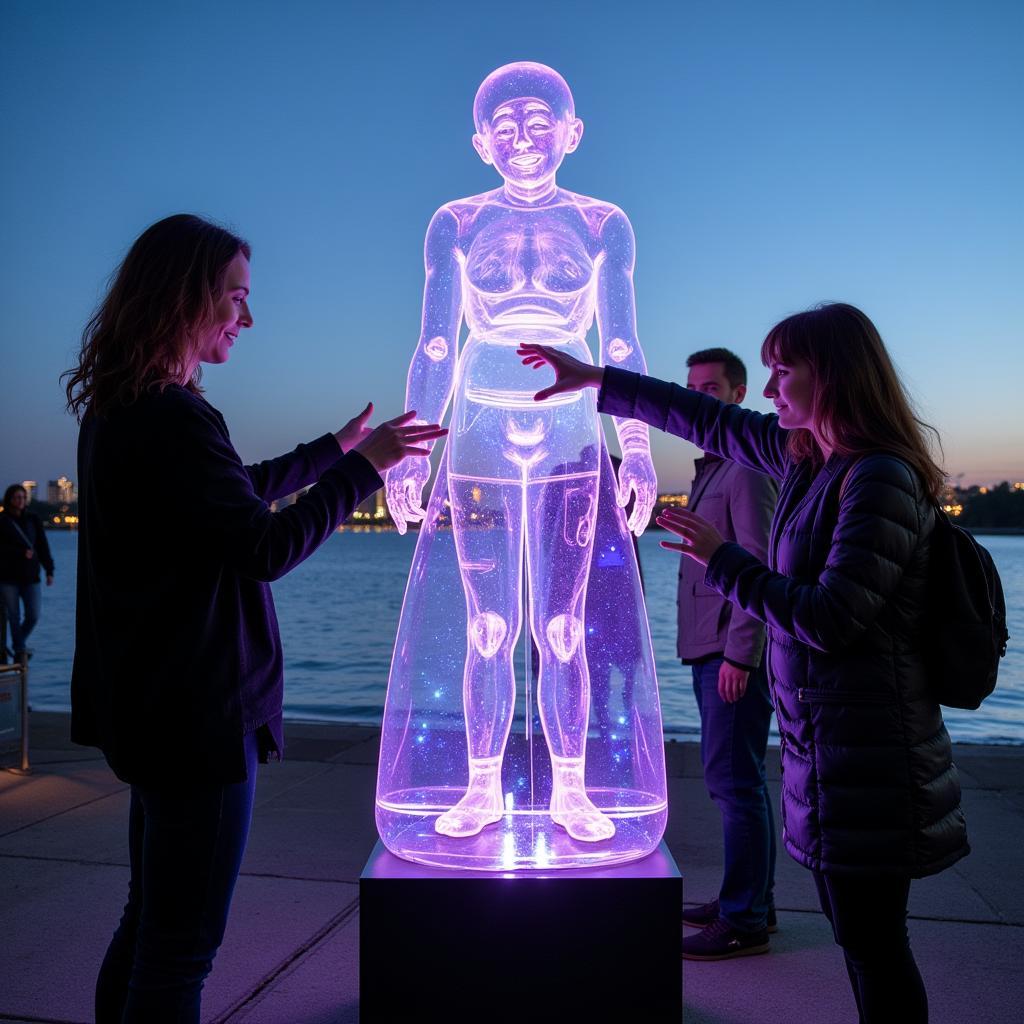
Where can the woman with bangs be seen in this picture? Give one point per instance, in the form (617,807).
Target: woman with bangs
(870,794)
(177,675)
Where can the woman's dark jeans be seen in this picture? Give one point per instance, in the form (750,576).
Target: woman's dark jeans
(185,846)
(868,915)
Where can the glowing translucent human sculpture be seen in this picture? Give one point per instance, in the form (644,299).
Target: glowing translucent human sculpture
(537,531)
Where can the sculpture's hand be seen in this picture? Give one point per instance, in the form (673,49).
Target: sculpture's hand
(403,487)
(638,479)
(571,374)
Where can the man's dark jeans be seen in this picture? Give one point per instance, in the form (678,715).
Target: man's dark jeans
(185,847)
(14,595)
(733,740)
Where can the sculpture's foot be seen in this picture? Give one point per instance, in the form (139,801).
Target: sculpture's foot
(479,807)
(572,808)
(584,822)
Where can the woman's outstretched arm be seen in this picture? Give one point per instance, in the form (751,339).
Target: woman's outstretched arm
(225,515)
(303,466)
(750,438)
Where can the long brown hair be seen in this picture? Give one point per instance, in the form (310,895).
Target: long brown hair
(860,404)
(147,330)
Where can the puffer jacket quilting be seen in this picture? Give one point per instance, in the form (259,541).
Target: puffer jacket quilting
(869,784)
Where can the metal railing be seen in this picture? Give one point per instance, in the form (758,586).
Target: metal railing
(14,716)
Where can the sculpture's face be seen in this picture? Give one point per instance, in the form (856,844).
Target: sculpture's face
(526,142)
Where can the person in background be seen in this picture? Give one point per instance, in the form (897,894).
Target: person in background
(870,794)
(177,674)
(724,648)
(24,550)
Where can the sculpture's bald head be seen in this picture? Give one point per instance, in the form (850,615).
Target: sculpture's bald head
(514,81)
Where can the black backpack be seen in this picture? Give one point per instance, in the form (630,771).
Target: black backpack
(966,631)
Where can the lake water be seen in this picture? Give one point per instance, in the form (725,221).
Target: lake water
(339,611)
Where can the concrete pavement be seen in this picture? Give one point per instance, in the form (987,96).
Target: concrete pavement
(290,955)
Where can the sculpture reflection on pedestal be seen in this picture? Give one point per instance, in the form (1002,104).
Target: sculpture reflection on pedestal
(528,491)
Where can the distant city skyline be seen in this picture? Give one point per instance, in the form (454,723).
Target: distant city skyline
(768,156)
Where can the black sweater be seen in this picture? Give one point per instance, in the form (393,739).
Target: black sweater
(177,650)
(14,531)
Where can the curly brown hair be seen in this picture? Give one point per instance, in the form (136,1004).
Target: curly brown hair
(147,329)
(860,403)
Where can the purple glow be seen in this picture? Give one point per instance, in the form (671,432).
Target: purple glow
(536,527)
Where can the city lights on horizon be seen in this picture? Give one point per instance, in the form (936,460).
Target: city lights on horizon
(372,514)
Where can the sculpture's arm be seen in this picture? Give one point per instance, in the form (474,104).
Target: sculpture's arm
(432,370)
(616,323)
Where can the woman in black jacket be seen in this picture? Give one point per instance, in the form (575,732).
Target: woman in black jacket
(178,673)
(23,550)
(870,795)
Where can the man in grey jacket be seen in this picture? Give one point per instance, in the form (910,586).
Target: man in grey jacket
(724,649)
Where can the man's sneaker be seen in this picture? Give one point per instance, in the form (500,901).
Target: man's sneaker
(720,941)
(702,916)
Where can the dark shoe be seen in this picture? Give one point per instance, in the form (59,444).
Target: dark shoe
(720,941)
(702,916)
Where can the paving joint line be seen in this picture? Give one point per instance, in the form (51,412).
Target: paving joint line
(298,782)
(124,864)
(66,810)
(1000,923)
(38,766)
(283,968)
(40,1020)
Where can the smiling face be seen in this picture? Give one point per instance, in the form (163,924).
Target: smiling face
(791,389)
(526,141)
(230,313)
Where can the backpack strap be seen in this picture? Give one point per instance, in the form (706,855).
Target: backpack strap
(21,533)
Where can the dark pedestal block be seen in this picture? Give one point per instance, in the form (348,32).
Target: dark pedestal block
(583,945)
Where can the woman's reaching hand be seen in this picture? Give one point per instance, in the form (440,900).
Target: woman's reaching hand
(571,374)
(700,540)
(355,430)
(395,439)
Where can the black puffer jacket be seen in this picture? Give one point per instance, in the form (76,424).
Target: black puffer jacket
(869,784)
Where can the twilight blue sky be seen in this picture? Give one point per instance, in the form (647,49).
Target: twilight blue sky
(769,156)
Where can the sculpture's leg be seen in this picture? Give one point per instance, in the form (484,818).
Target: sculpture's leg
(487,520)
(560,537)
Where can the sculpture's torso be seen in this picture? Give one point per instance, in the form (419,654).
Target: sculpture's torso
(528,274)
